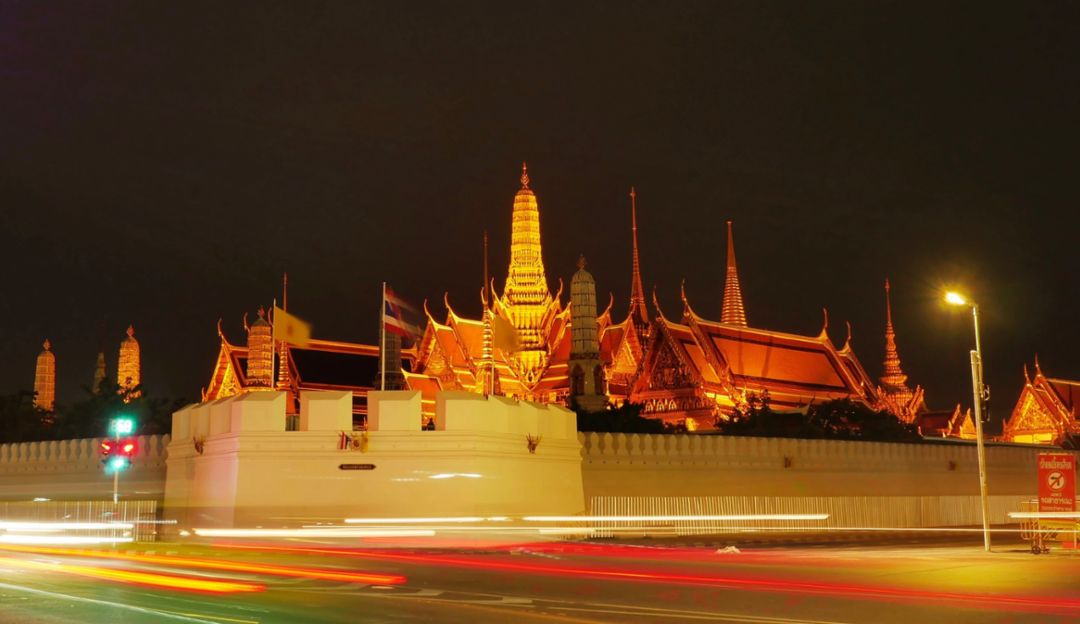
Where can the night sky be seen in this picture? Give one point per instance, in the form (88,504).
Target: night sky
(163,163)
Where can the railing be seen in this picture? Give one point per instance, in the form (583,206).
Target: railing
(142,514)
(870,513)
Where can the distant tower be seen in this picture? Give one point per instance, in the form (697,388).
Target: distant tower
(128,365)
(260,361)
(99,373)
(526,300)
(638,313)
(586,370)
(732,312)
(45,379)
(893,381)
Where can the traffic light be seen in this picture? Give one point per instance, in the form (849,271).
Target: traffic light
(117,464)
(128,448)
(107,447)
(116,455)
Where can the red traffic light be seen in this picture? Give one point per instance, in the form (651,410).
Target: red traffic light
(106,448)
(128,447)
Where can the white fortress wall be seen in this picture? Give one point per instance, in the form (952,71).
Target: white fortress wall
(857,483)
(476,463)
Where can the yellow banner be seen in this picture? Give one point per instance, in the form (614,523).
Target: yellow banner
(291,329)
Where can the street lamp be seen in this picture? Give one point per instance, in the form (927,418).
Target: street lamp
(980,393)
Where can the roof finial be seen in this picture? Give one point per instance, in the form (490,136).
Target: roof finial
(847,343)
(1038,369)
(131,331)
(1027,378)
(732,311)
(581,262)
(47,345)
(524,175)
(637,292)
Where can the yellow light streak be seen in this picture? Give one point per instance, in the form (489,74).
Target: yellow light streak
(142,578)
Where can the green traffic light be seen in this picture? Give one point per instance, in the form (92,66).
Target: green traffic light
(123,425)
(116,464)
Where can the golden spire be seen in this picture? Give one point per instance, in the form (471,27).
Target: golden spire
(45,379)
(526,297)
(260,360)
(128,365)
(638,310)
(283,381)
(732,312)
(894,378)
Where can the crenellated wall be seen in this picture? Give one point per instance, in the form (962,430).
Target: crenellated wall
(72,470)
(232,463)
(858,483)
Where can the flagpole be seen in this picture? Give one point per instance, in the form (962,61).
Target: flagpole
(382,340)
(273,341)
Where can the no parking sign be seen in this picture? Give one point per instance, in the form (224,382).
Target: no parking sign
(1057,482)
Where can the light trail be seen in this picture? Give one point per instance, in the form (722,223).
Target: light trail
(149,579)
(778,585)
(63,540)
(1046,515)
(314,532)
(8,525)
(182,617)
(448,520)
(680,518)
(229,566)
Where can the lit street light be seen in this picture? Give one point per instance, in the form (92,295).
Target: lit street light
(979,391)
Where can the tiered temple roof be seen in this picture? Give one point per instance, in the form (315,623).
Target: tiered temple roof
(1046,411)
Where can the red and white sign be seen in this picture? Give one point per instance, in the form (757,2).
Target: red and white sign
(1057,482)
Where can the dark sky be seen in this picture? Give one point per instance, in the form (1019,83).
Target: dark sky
(163,163)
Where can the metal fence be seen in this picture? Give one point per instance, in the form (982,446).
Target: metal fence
(843,512)
(142,514)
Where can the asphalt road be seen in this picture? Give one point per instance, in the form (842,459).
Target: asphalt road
(293,581)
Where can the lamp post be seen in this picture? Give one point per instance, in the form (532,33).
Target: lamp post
(979,394)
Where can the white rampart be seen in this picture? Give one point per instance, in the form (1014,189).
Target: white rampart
(72,470)
(232,463)
(884,484)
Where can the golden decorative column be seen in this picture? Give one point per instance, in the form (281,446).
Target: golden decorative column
(45,379)
(128,365)
(260,361)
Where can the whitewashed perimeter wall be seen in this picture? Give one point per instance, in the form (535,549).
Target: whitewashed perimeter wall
(71,470)
(857,483)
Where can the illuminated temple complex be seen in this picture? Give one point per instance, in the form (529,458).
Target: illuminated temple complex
(686,370)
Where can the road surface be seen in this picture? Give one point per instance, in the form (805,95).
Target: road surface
(569,582)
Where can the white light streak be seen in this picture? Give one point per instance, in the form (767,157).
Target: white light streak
(62,526)
(57,540)
(417,520)
(678,518)
(343,532)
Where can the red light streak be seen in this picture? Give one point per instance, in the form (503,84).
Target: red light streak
(1053,603)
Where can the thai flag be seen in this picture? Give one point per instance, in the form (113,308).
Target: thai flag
(395,313)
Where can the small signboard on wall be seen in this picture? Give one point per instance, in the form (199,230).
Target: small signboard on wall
(1057,482)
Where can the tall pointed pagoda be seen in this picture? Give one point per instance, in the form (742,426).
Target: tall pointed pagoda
(897,396)
(129,365)
(638,312)
(526,301)
(732,312)
(45,379)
